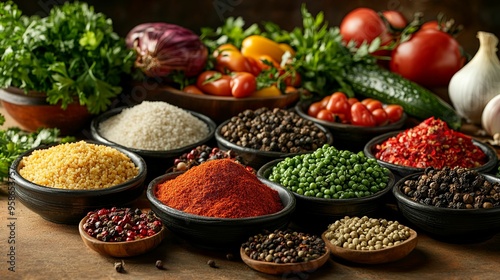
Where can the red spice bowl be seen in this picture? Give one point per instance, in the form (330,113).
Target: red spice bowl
(214,232)
(401,171)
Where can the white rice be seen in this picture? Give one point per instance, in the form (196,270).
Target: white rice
(155,126)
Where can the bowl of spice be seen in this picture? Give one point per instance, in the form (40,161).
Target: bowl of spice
(155,130)
(121,232)
(457,205)
(284,252)
(347,135)
(264,134)
(329,184)
(63,182)
(219,203)
(430,144)
(369,240)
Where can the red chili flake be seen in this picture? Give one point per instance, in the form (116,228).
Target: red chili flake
(431,144)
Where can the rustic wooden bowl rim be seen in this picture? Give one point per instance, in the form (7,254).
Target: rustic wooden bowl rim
(280,268)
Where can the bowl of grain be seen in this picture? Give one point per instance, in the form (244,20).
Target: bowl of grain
(156,130)
(62,182)
(218,204)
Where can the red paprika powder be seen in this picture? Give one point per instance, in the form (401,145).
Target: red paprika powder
(431,144)
(219,188)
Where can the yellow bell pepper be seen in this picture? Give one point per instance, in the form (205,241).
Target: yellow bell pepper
(255,46)
(266,92)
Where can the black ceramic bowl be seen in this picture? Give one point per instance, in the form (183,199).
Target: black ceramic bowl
(316,213)
(218,233)
(402,171)
(157,161)
(446,224)
(70,206)
(348,136)
(256,158)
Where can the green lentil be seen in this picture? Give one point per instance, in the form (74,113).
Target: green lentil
(331,173)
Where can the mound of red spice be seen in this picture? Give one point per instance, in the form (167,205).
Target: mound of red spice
(431,144)
(219,188)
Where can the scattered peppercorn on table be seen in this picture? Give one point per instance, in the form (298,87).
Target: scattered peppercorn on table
(33,248)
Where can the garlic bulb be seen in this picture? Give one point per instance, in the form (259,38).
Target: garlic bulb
(478,81)
(490,119)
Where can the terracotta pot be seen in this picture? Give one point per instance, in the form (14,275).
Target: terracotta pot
(31,111)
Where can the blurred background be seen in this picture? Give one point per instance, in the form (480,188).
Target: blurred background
(474,15)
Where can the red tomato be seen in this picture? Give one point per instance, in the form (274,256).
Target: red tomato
(230,59)
(363,24)
(265,60)
(394,112)
(243,84)
(380,116)
(254,66)
(352,100)
(325,115)
(192,89)
(361,116)
(395,18)
(338,104)
(373,105)
(293,79)
(430,58)
(314,108)
(214,83)
(433,24)
(325,100)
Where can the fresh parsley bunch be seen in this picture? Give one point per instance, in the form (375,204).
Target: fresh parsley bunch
(14,142)
(72,54)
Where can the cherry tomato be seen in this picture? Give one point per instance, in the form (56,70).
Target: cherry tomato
(395,18)
(352,100)
(394,112)
(242,84)
(230,59)
(192,89)
(430,58)
(360,115)
(364,24)
(214,83)
(380,116)
(432,24)
(338,103)
(264,60)
(325,115)
(373,105)
(314,109)
(254,66)
(325,100)
(293,79)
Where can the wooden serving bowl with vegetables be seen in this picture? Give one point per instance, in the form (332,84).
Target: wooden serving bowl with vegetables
(352,122)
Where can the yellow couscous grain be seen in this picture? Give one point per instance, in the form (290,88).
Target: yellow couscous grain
(79,165)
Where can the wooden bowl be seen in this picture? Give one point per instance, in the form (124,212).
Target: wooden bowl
(385,255)
(218,108)
(285,268)
(121,249)
(32,111)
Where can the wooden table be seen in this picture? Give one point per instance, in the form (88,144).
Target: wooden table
(44,250)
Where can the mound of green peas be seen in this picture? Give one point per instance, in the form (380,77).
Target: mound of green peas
(331,173)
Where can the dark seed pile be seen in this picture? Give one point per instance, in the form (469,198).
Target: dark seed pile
(458,188)
(121,224)
(276,130)
(284,247)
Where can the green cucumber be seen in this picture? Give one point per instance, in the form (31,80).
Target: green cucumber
(390,88)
